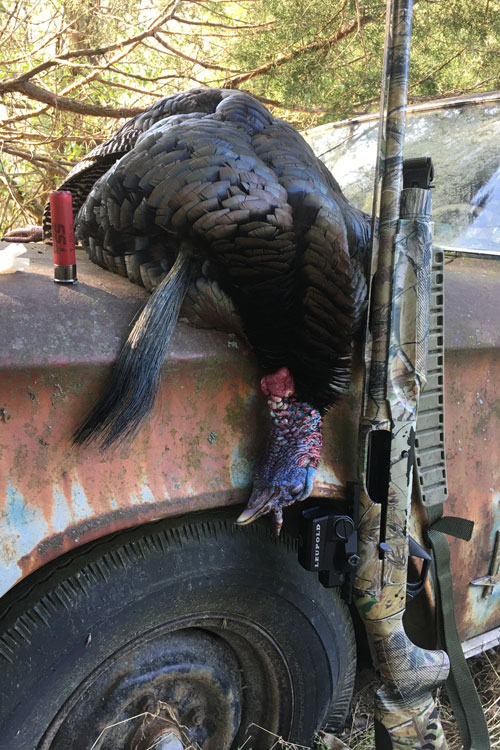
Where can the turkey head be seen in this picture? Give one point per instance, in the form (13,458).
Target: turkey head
(285,470)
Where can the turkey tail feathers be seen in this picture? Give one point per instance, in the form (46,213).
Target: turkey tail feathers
(136,375)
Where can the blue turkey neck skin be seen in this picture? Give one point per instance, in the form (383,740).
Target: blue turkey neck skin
(294,440)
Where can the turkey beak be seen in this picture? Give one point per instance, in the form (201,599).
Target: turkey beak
(261,502)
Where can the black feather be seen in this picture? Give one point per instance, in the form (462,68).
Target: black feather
(136,375)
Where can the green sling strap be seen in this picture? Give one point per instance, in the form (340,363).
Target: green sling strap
(461,690)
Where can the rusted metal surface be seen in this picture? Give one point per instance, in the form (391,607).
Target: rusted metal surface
(472,431)
(196,451)
(472,371)
(492,580)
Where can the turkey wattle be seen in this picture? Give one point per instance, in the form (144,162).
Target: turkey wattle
(224,212)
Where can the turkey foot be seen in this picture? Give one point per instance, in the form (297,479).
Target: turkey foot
(285,471)
(31,233)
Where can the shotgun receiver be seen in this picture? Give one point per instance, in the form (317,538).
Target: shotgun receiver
(395,354)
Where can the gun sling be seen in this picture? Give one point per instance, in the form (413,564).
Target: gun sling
(460,687)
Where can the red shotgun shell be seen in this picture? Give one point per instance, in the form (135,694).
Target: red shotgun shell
(63,236)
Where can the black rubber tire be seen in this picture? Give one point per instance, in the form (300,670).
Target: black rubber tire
(62,625)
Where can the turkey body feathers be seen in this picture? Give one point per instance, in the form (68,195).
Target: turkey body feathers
(84,174)
(214,172)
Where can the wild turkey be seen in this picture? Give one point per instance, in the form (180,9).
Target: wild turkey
(207,199)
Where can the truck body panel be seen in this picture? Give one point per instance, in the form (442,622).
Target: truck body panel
(472,414)
(196,451)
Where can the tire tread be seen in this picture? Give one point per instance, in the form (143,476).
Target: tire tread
(34,602)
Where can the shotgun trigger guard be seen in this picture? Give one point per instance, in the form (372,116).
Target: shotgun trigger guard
(413,588)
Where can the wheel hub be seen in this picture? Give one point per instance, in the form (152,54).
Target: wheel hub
(171,690)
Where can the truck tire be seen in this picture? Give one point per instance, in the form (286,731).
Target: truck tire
(198,632)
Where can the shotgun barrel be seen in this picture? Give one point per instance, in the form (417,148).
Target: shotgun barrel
(396,343)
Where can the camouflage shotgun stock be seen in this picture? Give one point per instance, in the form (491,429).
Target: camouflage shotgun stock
(395,352)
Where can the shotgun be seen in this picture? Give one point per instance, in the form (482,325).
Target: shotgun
(395,353)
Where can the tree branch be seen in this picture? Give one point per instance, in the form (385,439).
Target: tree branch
(40,139)
(436,70)
(31,207)
(218,13)
(162,18)
(65,103)
(20,84)
(223,25)
(39,161)
(124,87)
(154,79)
(235,81)
(153,27)
(36,51)
(183,56)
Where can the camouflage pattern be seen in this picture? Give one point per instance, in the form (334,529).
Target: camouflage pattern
(395,374)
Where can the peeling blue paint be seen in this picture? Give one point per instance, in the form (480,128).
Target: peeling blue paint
(21,528)
(240,469)
(481,608)
(147,496)
(61,514)
(496,519)
(80,507)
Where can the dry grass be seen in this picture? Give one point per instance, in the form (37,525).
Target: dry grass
(485,670)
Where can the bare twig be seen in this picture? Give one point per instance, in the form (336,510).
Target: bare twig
(22,84)
(124,87)
(290,107)
(218,13)
(37,50)
(155,24)
(73,54)
(165,15)
(32,207)
(154,79)
(29,138)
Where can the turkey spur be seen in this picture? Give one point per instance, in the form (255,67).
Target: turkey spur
(214,205)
